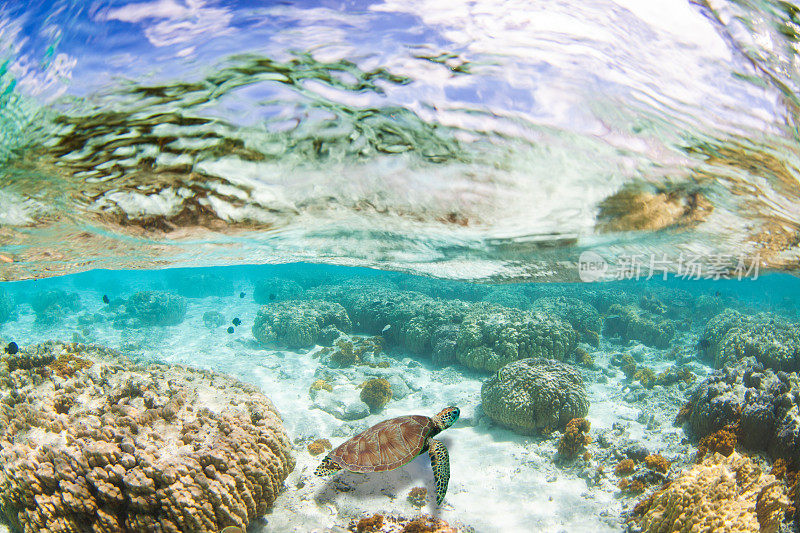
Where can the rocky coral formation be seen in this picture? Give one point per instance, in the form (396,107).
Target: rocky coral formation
(376,393)
(7,306)
(398,524)
(318,446)
(764,405)
(575,438)
(632,323)
(771,340)
(729,494)
(656,462)
(583,317)
(276,290)
(154,308)
(490,337)
(192,284)
(534,394)
(52,306)
(349,350)
(116,447)
(298,323)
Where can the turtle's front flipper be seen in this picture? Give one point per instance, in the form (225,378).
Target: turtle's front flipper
(440,462)
(327,467)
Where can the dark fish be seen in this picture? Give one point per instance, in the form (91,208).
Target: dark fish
(106,299)
(272,296)
(236,321)
(12,348)
(241,294)
(230,329)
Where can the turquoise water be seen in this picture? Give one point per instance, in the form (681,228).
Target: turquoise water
(236,236)
(327,352)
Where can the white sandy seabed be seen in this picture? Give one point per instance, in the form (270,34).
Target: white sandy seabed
(500,481)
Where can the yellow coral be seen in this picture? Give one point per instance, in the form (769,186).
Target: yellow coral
(67,364)
(646,377)
(725,494)
(575,438)
(318,446)
(656,462)
(624,467)
(318,385)
(418,496)
(376,393)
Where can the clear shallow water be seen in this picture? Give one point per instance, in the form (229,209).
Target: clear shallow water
(502,479)
(473,141)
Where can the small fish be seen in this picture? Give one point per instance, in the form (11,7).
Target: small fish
(236,321)
(272,296)
(230,329)
(12,348)
(386,328)
(241,295)
(106,299)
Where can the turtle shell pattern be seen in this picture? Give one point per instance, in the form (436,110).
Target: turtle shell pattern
(385,446)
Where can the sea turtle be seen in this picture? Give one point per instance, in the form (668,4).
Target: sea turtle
(392,443)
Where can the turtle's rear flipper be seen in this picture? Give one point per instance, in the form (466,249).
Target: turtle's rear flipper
(328,467)
(440,462)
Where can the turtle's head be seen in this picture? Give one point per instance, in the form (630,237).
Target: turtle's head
(446,417)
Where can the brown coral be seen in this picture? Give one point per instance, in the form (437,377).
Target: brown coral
(624,467)
(656,462)
(575,438)
(722,442)
(138,450)
(376,393)
(646,377)
(631,487)
(418,496)
(318,385)
(373,523)
(66,364)
(318,446)
(719,494)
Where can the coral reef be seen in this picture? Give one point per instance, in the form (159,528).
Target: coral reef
(213,319)
(771,340)
(376,393)
(656,462)
(318,446)
(155,308)
(722,442)
(624,467)
(676,374)
(720,494)
(7,306)
(318,385)
(631,486)
(626,363)
(762,403)
(490,337)
(52,306)
(398,524)
(507,297)
(534,394)
(418,496)
(117,447)
(632,323)
(298,323)
(646,377)
(575,438)
(276,290)
(583,317)
(352,350)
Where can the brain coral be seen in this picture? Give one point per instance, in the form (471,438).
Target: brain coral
(116,447)
(632,323)
(721,494)
(491,336)
(534,394)
(275,290)
(155,308)
(298,323)
(583,317)
(770,339)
